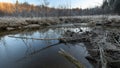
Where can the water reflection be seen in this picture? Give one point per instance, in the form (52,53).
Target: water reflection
(39,53)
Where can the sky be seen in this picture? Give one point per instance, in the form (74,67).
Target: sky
(59,3)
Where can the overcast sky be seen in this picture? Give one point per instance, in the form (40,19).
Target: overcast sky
(56,3)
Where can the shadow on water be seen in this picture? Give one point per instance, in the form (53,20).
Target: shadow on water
(40,53)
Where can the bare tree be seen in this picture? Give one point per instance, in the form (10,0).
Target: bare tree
(46,3)
(16,8)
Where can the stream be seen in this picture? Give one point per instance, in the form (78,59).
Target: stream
(29,53)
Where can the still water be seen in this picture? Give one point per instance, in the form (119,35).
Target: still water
(29,53)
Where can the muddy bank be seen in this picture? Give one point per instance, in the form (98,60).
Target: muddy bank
(22,23)
(12,23)
(103,46)
(22,31)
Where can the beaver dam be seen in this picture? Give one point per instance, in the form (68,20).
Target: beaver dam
(73,42)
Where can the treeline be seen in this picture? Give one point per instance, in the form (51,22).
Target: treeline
(27,10)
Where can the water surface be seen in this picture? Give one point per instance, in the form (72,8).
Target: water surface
(29,53)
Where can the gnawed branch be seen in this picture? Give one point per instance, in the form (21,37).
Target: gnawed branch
(71,59)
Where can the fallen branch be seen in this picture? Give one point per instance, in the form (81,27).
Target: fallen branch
(115,61)
(113,50)
(116,41)
(102,57)
(39,38)
(75,25)
(71,59)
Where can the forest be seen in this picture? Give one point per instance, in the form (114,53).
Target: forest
(29,10)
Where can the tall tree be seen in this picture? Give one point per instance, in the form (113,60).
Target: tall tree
(106,7)
(113,5)
(46,3)
(16,9)
(116,6)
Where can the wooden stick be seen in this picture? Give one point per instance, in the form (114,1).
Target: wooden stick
(71,59)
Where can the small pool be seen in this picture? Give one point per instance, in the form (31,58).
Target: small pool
(29,53)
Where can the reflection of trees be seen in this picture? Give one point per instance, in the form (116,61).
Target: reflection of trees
(38,51)
(2,41)
(52,33)
(42,33)
(28,45)
(47,47)
(27,32)
(45,33)
(20,32)
(4,49)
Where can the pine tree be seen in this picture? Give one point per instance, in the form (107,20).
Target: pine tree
(117,6)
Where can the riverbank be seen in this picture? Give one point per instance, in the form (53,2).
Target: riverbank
(103,46)
(13,23)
